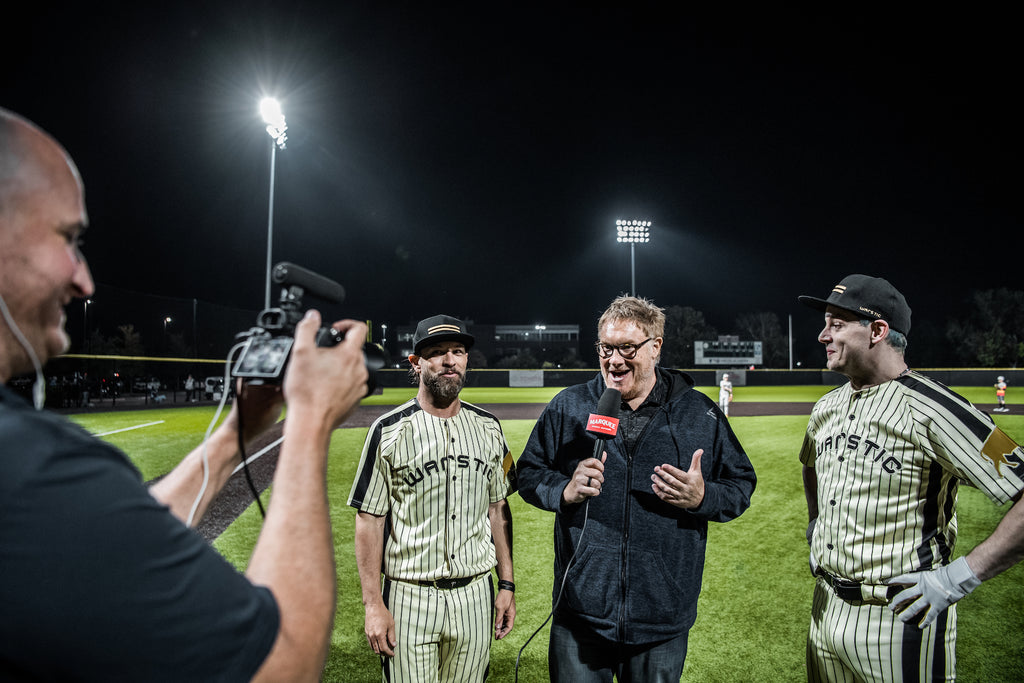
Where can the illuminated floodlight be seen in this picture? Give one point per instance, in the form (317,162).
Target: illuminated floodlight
(270,110)
(632,232)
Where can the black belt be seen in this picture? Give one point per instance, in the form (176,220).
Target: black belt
(447,584)
(850,591)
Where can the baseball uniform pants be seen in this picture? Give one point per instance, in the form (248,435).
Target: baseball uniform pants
(850,642)
(444,634)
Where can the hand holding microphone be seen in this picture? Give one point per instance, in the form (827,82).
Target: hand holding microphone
(603,425)
(586,481)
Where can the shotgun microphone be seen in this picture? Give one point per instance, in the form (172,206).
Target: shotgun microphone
(291,275)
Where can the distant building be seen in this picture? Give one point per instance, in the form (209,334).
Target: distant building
(546,343)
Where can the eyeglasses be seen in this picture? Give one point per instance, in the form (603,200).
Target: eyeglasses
(627,351)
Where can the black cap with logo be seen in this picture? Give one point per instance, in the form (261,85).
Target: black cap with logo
(441,328)
(871,298)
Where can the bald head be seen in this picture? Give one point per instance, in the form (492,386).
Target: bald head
(42,216)
(31,162)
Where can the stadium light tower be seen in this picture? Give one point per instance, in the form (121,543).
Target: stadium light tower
(85,323)
(270,110)
(167,320)
(632,232)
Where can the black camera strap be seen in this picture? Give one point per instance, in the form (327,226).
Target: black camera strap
(245,461)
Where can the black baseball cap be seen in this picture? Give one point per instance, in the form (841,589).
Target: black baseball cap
(440,328)
(871,298)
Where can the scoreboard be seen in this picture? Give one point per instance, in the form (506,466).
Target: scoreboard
(727,351)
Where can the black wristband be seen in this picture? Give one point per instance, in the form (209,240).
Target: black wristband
(504,585)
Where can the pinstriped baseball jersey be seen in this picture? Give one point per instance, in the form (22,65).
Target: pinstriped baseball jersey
(434,478)
(888,460)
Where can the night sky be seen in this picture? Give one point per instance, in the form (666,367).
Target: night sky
(472,159)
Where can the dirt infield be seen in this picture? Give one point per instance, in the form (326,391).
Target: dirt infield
(235,497)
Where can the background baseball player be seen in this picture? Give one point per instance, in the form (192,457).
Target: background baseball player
(1001,395)
(725,394)
(430,490)
(883,456)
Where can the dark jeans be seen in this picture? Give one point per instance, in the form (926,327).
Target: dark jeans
(577,656)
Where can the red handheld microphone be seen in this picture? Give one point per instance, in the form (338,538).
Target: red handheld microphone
(604,424)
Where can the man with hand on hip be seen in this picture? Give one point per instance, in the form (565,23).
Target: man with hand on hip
(883,456)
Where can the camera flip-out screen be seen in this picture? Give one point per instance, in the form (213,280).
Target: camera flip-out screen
(264,357)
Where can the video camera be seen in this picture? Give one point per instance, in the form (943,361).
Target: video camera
(268,345)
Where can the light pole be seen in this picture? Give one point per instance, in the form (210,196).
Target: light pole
(85,324)
(270,110)
(166,320)
(632,232)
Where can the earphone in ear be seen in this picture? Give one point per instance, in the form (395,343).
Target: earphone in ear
(39,388)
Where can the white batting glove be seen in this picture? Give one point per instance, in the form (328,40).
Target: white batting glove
(933,591)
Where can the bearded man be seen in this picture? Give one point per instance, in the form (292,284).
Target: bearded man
(433,518)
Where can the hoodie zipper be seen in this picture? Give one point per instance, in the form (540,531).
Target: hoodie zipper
(623,572)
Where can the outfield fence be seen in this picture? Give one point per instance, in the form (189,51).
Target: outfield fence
(81,380)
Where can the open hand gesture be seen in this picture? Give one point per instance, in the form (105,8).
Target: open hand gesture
(676,487)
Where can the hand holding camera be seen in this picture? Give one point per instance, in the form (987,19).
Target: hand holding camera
(331,367)
(269,344)
(326,382)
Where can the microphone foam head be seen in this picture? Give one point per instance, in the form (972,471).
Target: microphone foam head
(609,402)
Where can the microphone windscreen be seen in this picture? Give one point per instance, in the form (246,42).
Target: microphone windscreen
(609,402)
(289,274)
(604,424)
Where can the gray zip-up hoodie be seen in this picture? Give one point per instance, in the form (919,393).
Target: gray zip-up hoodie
(637,573)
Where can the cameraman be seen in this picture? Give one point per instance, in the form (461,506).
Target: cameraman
(101,579)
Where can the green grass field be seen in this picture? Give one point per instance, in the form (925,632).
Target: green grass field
(755,603)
